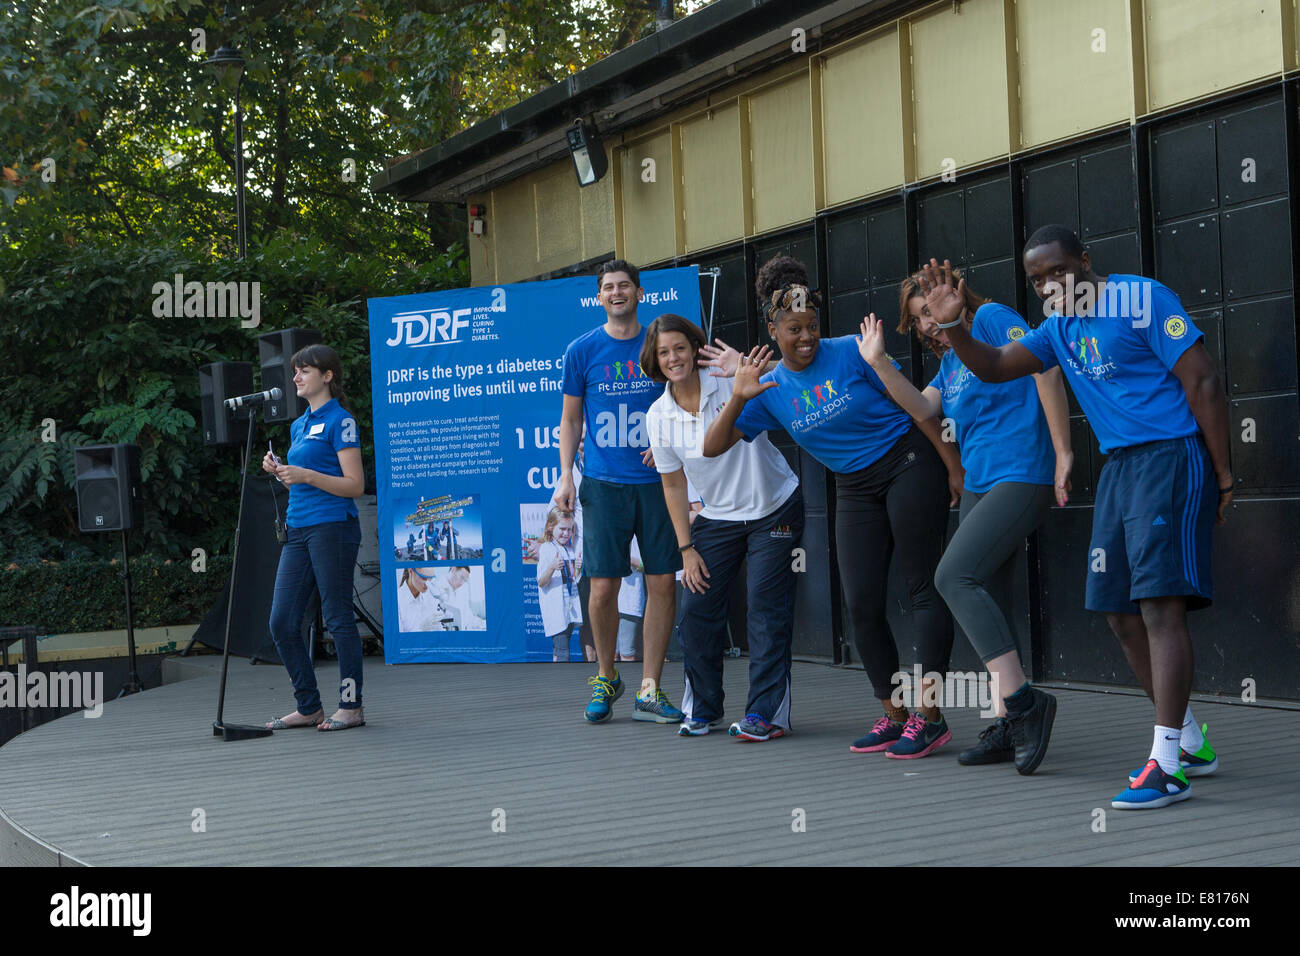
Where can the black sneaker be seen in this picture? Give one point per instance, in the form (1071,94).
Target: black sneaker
(994,747)
(1031,730)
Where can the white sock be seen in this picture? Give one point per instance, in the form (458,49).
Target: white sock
(1164,749)
(647,690)
(1193,740)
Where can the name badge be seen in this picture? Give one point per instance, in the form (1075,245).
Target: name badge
(317,428)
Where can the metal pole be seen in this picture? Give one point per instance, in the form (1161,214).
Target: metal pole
(241,226)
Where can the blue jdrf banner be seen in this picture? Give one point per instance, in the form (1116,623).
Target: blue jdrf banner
(467,401)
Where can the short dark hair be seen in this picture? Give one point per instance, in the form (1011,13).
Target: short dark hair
(668,322)
(618,265)
(1056,233)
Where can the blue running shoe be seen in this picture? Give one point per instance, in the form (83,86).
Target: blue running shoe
(603,694)
(1200,764)
(1153,789)
(657,708)
(754,727)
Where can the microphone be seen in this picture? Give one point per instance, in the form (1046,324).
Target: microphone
(257,398)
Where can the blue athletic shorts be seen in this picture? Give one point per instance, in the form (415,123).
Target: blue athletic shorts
(1151,525)
(611,514)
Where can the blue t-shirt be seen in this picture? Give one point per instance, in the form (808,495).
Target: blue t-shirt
(836,408)
(605,373)
(315,440)
(1000,427)
(1119,361)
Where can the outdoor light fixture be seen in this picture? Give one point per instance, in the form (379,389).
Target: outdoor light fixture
(588,153)
(228,67)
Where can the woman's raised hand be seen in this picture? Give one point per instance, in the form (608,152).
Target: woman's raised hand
(748,370)
(871,343)
(721,359)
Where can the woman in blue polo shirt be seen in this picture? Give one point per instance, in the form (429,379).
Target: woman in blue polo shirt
(890,489)
(323,473)
(1015,446)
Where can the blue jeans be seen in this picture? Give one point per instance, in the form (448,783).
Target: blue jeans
(321,556)
(767,543)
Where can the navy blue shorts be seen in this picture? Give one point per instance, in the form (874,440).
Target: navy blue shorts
(611,514)
(1151,525)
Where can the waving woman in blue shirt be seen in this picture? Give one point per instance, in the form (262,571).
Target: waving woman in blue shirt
(1015,446)
(323,474)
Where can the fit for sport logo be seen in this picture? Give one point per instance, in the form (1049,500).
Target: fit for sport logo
(1087,358)
(815,397)
(781,531)
(815,405)
(424,329)
(1015,332)
(623,371)
(1175,326)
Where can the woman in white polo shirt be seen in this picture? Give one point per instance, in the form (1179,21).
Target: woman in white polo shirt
(753,510)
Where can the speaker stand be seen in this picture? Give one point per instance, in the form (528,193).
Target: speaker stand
(219,727)
(132,685)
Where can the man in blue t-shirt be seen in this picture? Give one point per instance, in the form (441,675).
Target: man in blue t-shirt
(621,495)
(1143,377)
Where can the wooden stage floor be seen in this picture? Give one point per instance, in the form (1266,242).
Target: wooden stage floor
(449,749)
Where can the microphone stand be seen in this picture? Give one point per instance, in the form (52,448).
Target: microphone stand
(219,727)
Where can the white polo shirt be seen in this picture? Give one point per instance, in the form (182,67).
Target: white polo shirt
(747,482)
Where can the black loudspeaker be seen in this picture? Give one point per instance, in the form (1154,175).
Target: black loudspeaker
(218,382)
(108,487)
(276,350)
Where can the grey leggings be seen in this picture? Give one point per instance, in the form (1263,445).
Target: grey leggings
(976,574)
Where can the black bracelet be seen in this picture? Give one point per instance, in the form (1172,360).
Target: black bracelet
(1226,491)
(685,547)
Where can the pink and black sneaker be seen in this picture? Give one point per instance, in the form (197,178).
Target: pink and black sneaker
(920,738)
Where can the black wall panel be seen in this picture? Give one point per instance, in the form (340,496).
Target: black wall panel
(1265,435)
(1187,260)
(1252,153)
(887,244)
(1051,194)
(1107,173)
(1183,170)
(1260,337)
(941,226)
(994,280)
(846,254)
(1119,253)
(1257,249)
(989,232)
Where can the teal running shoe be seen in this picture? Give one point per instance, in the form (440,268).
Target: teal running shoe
(603,694)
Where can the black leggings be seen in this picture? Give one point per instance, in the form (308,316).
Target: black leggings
(896,507)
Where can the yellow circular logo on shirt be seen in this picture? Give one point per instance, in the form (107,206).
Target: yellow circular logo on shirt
(1015,332)
(1175,326)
